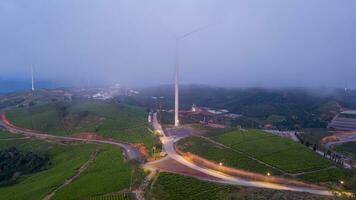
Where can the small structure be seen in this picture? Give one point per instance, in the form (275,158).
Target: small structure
(194,108)
(268,126)
(149,118)
(232,115)
(216,118)
(101,96)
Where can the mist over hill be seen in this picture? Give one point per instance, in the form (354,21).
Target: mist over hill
(15,85)
(285,107)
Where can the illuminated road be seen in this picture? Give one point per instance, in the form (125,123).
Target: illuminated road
(168,146)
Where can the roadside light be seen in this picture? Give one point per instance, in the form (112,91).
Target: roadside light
(342,182)
(221,164)
(268,174)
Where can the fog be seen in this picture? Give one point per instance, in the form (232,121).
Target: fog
(245,43)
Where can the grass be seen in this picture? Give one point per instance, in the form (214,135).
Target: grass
(314,135)
(38,117)
(118,121)
(279,152)
(231,158)
(66,159)
(175,187)
(326,175)
(209,131)
(7,135)
(167,118)
(347,148)
(111,197)
(108,173)
(122,122)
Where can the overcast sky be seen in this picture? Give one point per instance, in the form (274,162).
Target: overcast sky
(246,43)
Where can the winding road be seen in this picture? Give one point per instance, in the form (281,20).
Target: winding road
(130,152)
(342,140)
(168,146)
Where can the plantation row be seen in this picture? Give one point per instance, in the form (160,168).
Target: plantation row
(118,121)
(106,174)
(175,187)
(111,197)
(228,157)
(280,152)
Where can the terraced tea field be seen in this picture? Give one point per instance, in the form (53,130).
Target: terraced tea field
(228,157)
(7,135)
(65,159)
(175,187)
(280,152)
(111,197)
(118,121)
(347,148)
(108,173)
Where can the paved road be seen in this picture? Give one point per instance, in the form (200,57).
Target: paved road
(342,140)
(168,146)
(351,138)
(130,152)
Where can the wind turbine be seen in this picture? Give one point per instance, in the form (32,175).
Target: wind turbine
(32,80)
(176,88)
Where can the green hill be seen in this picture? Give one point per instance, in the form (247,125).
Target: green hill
(118,121)
(106,174)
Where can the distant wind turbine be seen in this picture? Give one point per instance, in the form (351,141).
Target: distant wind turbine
(32,80)
(178,40)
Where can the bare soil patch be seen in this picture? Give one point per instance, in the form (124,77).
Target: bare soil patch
(88,136)
(80,120)
(337,135)
(141,148)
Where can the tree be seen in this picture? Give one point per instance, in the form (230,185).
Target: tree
(14,163)
(31,103)
(307,144)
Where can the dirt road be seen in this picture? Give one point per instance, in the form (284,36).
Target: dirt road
(130,152)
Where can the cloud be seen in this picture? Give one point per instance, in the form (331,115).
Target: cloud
(249,43)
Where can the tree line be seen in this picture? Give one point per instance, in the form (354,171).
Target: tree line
(14,163)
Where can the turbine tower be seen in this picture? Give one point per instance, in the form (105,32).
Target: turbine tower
(176,88)
(32,80)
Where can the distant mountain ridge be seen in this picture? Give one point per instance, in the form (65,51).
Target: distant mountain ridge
(286,108)
(7,86)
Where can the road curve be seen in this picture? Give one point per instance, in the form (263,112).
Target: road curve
(130,152)
(341,141)
(168,146)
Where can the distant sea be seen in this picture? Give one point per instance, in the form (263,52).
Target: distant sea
(8,86)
